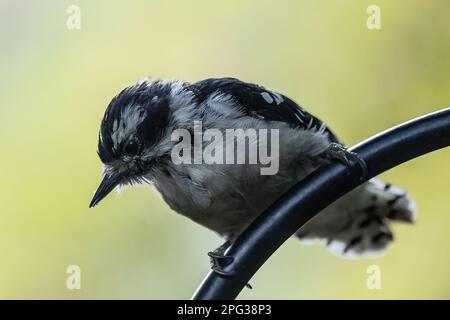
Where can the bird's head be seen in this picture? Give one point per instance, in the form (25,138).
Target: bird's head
(131,134)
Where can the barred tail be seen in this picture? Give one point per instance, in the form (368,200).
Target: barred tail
(359,223)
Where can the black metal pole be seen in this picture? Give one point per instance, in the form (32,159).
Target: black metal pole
(272,228)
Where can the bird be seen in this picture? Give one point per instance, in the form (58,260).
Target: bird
(136,146)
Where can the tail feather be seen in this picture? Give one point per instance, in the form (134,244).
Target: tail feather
(359,223)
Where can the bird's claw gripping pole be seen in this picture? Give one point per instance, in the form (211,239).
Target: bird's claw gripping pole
(324,186)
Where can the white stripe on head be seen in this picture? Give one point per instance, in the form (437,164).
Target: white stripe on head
(130,118)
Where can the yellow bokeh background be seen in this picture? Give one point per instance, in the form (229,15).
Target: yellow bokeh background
(56,83)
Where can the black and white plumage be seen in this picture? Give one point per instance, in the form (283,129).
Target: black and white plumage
(135,145)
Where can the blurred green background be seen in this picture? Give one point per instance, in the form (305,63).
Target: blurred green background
(56,83)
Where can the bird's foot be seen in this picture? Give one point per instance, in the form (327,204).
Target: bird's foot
(219,260)
(338,152)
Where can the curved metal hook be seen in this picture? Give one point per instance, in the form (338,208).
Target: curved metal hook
(324,186)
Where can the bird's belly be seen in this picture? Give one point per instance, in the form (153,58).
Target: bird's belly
(242,199)
(226,198)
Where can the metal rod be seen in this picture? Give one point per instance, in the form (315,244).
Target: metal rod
(324,186)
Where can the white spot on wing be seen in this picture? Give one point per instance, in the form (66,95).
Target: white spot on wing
(299,118)
(323,127)
(278,98)
(267,97)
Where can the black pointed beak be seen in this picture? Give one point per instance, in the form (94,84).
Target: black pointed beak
(107,185)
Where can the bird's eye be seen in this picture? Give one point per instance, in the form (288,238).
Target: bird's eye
(131,148)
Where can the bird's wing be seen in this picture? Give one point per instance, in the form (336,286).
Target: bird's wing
(258,102)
